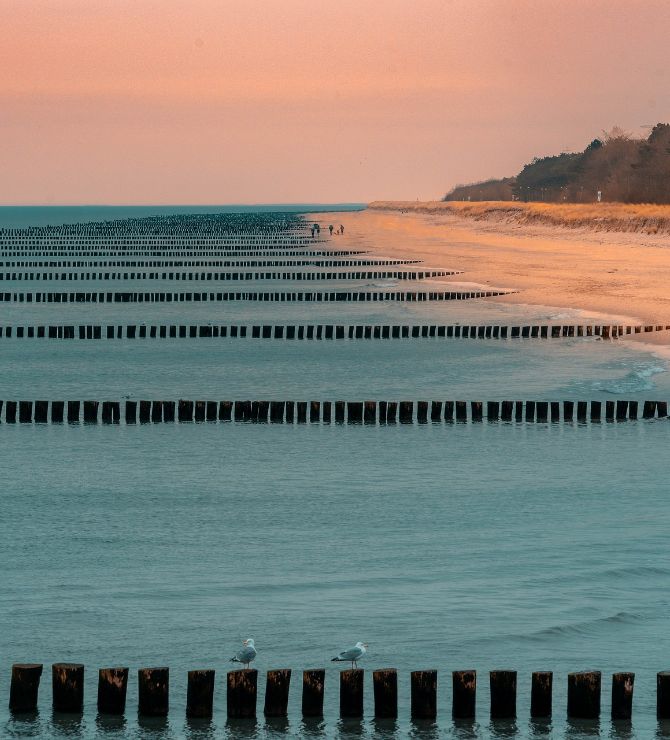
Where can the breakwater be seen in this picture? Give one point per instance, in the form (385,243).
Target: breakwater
(584,692)
(324,331)
(273,296)
(327,412)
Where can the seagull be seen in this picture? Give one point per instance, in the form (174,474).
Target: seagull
(246,654)
(352,655)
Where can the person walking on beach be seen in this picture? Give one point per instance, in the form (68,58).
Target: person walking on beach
(341,228)
(330,228)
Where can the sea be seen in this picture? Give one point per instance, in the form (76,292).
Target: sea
(521,546)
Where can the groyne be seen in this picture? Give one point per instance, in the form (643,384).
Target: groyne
(325,331)
(584,692)
(329,412)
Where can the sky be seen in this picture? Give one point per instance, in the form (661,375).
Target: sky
(278,101)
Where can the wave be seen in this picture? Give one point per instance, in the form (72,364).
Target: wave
(585,627)
(638,379)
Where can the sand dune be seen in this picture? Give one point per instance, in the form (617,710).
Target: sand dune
(637,218)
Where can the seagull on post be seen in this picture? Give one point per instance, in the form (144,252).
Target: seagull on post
(246,654)
(352,655)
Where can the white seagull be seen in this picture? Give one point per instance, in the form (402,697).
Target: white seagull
(352,655)
(246,654)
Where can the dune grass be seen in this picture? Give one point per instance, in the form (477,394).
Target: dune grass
(641,218)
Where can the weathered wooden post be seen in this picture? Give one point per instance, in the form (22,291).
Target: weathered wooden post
(370,412)
(351,693)
(200,694)
(622,695)
(422,412)
(276,693)
(145,412)
(464,694)
(582,408)
(541,694)
(584,695)
(25,412)
(67,680)
(315,412)
(461,411)
(241,693)
(492,411)
(542,408)
(73,412)
(391,412)
(595,411)
(153,692)
(41,412)
(91,412)
(406,412)
(436,411)
(663,695)
(477,412)
(112,688)
(503,694)
(339,412)
(302,412)
(424,694)
(24,687)
(568,410)
(507,409)
(385,685)
(313,682)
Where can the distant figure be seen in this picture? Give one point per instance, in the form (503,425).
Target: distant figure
(313,232)
(246,654)
(330,228)
(352,655)
(341,229)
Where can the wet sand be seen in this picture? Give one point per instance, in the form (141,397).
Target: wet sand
(617,274)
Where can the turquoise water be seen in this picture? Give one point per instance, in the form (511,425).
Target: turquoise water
(523,546)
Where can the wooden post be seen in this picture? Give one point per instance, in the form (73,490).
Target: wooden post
(406,412)
(540,694)
(663,695)
(568,410)
(542,408)
(424,694)
(622,695)
(73,412)
(200,694)
(385,685)
(436,411)
(492,411)
(422,412)
(584,695)
(351,693)
(503,694)
(241,693)
(131,412)
(464,694)
(582,407)
(25,412)
(112,688)
(145,412)
(68,687)
(153,691)
(24,687)
(313,682)
(315,412)
(276,693)
(476,410)
(339,412)
(41,412)
(370,412)
(595,411)
(391,412)
(302,412)
(91,412)
(354,412)
(461,411)
(507,410)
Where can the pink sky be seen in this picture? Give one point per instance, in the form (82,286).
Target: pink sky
(218,101)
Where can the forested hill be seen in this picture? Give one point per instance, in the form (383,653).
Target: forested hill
(618,166)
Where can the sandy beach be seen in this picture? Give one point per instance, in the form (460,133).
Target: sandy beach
(614,273)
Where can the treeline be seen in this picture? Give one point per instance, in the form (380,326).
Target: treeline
(615,167)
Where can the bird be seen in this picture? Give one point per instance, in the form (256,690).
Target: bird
(246,654)
(352,655)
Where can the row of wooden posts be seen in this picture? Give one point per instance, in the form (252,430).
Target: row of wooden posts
(209,263)
(240,276)
(327,412)
(272,296)
(322,331)
(583,692)
(116,252)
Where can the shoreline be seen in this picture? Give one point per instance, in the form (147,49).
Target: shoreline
(614,274)
(620,276)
